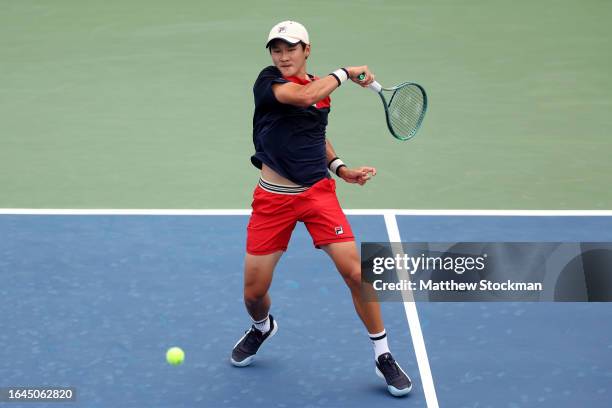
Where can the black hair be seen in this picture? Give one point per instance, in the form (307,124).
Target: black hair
(274,40)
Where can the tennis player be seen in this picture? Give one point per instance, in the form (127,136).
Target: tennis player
(295,158)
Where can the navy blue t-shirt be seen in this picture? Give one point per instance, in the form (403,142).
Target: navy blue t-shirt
(287,138)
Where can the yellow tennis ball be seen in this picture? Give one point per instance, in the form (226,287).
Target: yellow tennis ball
(175,356)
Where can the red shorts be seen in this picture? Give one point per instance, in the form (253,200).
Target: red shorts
(275,215)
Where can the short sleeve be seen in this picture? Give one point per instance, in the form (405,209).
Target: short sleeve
(262,90)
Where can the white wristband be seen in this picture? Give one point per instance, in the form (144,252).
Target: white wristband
(335,164)
(341,74)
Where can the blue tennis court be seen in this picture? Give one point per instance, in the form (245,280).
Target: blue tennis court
(93,301)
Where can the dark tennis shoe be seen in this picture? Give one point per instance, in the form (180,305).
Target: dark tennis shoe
(398,383)
(244,351)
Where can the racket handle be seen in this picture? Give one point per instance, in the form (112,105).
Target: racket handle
(375,86)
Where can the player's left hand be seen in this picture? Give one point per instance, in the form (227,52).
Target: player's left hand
(359,175)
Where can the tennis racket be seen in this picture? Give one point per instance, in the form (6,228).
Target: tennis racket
(405,107)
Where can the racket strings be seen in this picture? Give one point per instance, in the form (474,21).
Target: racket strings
(406,110)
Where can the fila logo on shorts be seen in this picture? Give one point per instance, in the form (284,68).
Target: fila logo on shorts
(339,230)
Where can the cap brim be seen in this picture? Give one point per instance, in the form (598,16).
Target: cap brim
(289,40)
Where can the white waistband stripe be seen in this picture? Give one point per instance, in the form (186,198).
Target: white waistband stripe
(279,189)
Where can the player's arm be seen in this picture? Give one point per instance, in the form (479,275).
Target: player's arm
(305,95)
(309,94)
(359,175)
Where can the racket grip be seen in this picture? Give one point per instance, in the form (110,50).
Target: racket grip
(375,86)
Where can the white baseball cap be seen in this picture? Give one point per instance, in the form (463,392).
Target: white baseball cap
(290,31)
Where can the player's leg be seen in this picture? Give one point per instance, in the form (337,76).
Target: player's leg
(331,231)
(347,261)
(258,271)
(268,234)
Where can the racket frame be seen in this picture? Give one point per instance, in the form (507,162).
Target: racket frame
(376,87)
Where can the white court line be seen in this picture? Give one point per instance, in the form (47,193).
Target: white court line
(503,213)
(180,212)
(413,321)
(117,211)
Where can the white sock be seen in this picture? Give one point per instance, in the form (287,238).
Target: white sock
(379,341)
(262,325)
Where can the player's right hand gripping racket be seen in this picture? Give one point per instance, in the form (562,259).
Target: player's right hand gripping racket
(405,107)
